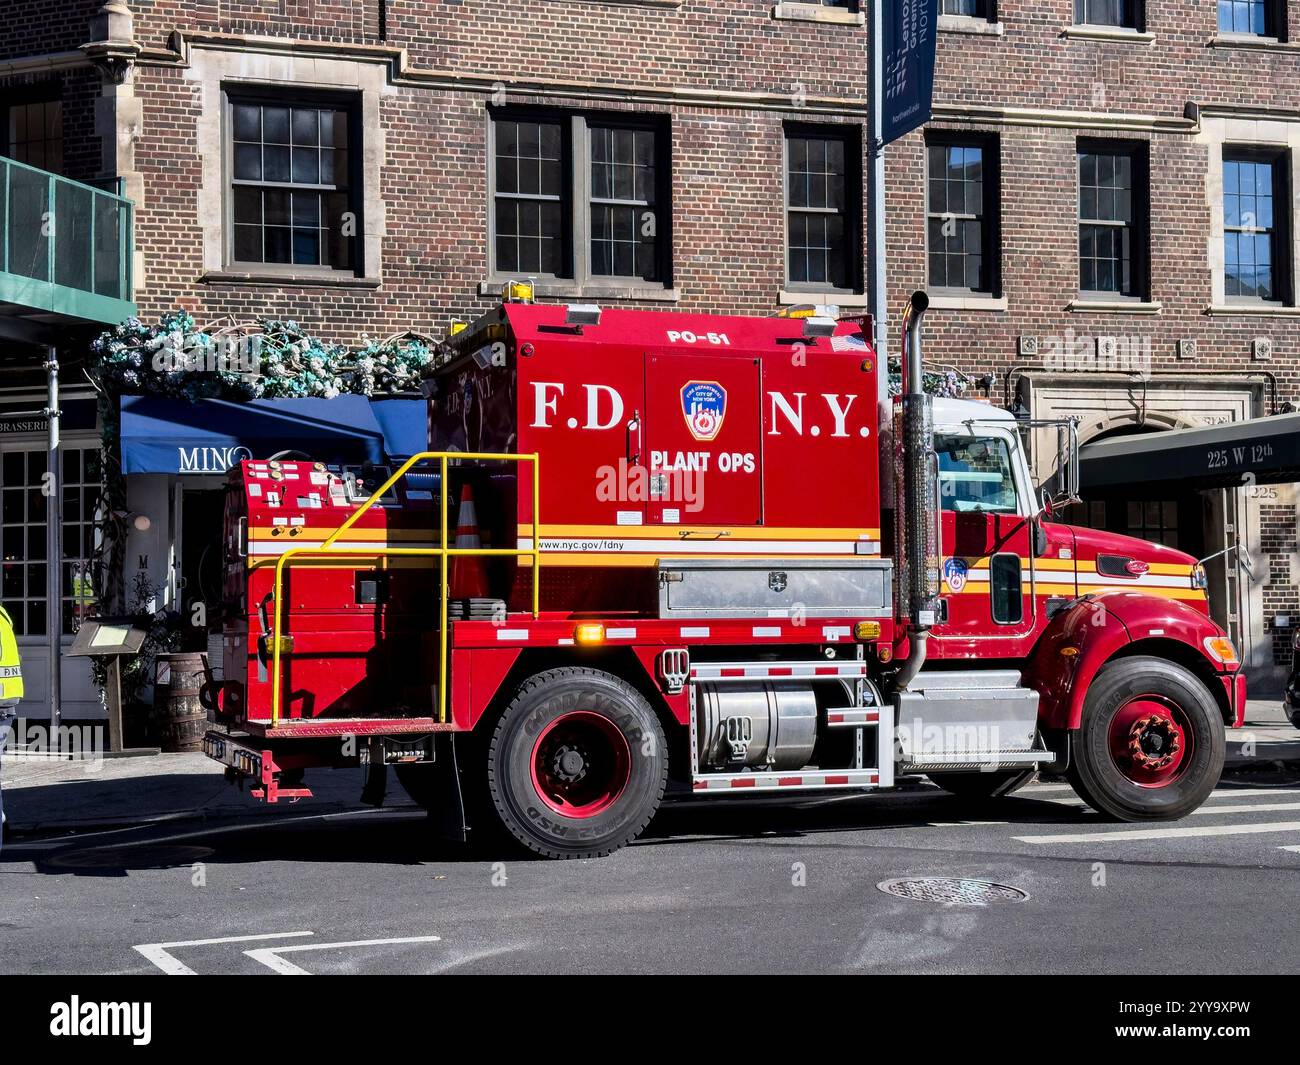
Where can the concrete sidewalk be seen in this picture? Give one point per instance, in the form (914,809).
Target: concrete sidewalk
(1267,737)
(43,794)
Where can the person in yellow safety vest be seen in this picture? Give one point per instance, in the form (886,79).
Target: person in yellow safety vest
(11,690)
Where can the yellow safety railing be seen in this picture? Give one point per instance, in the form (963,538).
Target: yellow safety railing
(442,552)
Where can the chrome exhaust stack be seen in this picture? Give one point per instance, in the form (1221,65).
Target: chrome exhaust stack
(916,503)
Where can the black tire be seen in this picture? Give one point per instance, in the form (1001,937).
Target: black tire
(1106,782)
(982,787)
(576,765)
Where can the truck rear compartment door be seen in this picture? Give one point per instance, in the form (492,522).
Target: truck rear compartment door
(703,439)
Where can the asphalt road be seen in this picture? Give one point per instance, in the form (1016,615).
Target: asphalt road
(713,888)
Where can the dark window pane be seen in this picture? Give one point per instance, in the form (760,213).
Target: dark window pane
(275,125)
(246,122)
(306,127)
(248,206)
(306,209)
(275,164)
(276,207)
(306,247)
(306,166)
(277,244)
(248,162)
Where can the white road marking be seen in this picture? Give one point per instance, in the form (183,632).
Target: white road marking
(1247,809)
(270,956)
(158,953)
(1254,793)
(1164,833)
(1293,850)
(1204,811)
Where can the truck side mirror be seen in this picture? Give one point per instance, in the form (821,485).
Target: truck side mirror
(1045,508)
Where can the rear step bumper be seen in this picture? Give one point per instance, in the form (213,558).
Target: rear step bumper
(242,761)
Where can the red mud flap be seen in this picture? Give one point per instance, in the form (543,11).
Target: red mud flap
(1235,686)
(258,766)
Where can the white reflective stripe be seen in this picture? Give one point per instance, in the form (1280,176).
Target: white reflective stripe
(620,634)
(835,632)
(782,781)
(512,634)
(763,632)
(730,546)
(695,632)
(565,641)
(1147,580)
(777,670)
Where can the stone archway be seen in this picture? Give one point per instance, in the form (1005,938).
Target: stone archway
(1111,424)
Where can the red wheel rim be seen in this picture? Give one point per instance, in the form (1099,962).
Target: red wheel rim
(581,763)
(1151,741)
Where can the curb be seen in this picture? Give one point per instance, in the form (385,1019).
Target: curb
(1286,751)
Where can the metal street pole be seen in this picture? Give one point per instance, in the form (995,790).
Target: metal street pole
(53,537)
(877,293)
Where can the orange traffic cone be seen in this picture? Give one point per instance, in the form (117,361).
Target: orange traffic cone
(468,572)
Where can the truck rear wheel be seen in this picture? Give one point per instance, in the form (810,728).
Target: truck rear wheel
(1151,743)
(982,786)
(577,764)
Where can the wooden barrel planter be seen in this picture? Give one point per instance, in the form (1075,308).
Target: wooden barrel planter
(182,719)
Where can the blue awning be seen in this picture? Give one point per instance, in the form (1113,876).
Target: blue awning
(211,435)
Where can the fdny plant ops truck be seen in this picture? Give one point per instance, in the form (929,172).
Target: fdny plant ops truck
(658,552)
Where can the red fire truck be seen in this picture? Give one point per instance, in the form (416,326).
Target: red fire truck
(655,553)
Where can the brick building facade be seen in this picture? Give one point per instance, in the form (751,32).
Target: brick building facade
(371,166)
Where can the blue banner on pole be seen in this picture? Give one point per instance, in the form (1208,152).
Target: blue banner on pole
(911,31)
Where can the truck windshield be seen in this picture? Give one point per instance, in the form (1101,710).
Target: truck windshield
(975,474)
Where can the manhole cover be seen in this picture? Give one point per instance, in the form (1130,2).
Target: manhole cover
(952,890)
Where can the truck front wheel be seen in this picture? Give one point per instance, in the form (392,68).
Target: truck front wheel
(577,764)
(1151,743)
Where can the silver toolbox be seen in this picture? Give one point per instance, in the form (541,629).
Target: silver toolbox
(776,588)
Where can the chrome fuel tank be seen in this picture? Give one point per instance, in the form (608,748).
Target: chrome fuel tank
(755,725)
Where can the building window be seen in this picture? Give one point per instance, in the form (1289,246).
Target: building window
(290,185)
(531,197)
(970,8)
(580,197)
(823,212)
(34,134)
(961,213)
(1112,220)
(1120,13)
(1262,18)
(23,518)
(623,203)
(1255,252)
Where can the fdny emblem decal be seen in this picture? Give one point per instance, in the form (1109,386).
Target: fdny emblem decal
(954,574)
(704,405)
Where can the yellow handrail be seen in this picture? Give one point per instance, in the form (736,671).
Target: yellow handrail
(443,553)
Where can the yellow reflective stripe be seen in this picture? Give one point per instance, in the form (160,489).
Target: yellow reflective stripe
(317,532)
